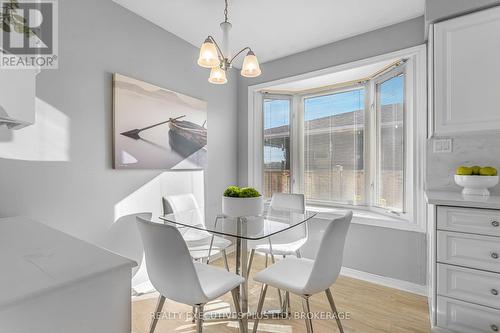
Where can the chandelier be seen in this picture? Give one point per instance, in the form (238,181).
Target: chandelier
(220,60)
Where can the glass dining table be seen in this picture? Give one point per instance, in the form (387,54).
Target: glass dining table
(245,231)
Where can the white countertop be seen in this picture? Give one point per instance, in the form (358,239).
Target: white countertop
(36,258)
(448,198)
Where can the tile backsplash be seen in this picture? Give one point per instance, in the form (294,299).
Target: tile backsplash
(468,149)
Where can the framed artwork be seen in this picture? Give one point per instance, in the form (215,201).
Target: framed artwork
(156,128)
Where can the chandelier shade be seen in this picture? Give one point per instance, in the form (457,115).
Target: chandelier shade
(208,55)
(219,60)
(250,66)
(217,76)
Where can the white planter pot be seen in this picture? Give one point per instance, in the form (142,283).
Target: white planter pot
(476,185)
(239,207)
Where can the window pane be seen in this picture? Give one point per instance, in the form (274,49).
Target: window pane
(334,147)
(276,146)
(390,141)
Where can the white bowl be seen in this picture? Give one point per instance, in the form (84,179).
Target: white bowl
(476,185)
(239,207)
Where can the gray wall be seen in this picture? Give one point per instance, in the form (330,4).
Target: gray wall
(97,38)
(468,149)
(382,251)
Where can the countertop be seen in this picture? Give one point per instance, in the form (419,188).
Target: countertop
(36,259)
(448,198)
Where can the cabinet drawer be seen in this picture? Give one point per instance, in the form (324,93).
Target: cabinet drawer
(482,252)
(469,285)
(465,317)
(477,221)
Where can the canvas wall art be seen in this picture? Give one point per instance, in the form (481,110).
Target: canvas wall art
(156,128)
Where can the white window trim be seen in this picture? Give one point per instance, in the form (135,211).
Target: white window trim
(417,67)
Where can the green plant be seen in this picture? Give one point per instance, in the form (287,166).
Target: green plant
(249,192)
(245,192)
(232,191)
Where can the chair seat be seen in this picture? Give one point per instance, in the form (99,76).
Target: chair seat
(216,281)
(289,274)
(281,249)
(200,249)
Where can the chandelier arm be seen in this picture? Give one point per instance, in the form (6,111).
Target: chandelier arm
(237,54)
(219,51)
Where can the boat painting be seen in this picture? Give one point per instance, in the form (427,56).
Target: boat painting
(155,128)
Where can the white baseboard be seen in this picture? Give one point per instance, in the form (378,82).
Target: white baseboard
(385,281)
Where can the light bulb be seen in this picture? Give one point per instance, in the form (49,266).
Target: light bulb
(217,76)
(250,66)
(208,55)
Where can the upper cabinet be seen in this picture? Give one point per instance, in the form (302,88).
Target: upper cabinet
(467,73)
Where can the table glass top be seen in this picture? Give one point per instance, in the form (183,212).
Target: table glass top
(272,222)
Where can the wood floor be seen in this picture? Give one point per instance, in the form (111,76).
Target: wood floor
(367,308)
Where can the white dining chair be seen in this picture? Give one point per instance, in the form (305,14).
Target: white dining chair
(201,244)
(286,243)
(176,277)
(306,277)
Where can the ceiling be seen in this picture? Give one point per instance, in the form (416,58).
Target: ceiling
(348,75)
(274,28)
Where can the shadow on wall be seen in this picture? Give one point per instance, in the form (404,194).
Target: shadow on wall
(46,140)
(124,239)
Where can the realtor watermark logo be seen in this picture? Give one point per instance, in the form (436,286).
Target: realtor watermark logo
(28,31)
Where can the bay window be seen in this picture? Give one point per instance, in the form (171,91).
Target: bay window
(353,136)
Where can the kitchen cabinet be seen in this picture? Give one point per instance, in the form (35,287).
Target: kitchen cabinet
(466,73)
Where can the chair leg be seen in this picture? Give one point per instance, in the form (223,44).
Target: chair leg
(199,318)
(298,254)
(334,309)
(193,312)
(224,256)
(307,313)
(267,258)
(289,305)
(250,261)
(259,307)
(279,291)
(237,307)
(159,307)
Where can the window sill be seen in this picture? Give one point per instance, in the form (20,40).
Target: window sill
(365,217)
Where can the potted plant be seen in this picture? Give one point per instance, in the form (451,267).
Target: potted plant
(238,202)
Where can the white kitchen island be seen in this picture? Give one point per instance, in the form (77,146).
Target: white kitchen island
(51,282)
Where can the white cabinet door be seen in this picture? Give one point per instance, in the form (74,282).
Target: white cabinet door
(467,73)
(474,251)
(469,285)
(475,221)
(465,317)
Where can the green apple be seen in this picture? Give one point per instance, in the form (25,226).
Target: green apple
(488,171)
(464,171)
(475,169)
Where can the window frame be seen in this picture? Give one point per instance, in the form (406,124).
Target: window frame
(292,134)
(416,66)
(301,141)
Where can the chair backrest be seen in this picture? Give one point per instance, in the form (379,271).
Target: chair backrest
(328,260)
(288,201)
(181,203)
(296,203)
(169,264)
(124,239)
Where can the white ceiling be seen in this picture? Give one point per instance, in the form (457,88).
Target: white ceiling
(274,28)
(348,75)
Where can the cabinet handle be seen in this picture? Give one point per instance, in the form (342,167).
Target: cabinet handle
(495,223)
(494,255)
(494,328)
(494,292)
